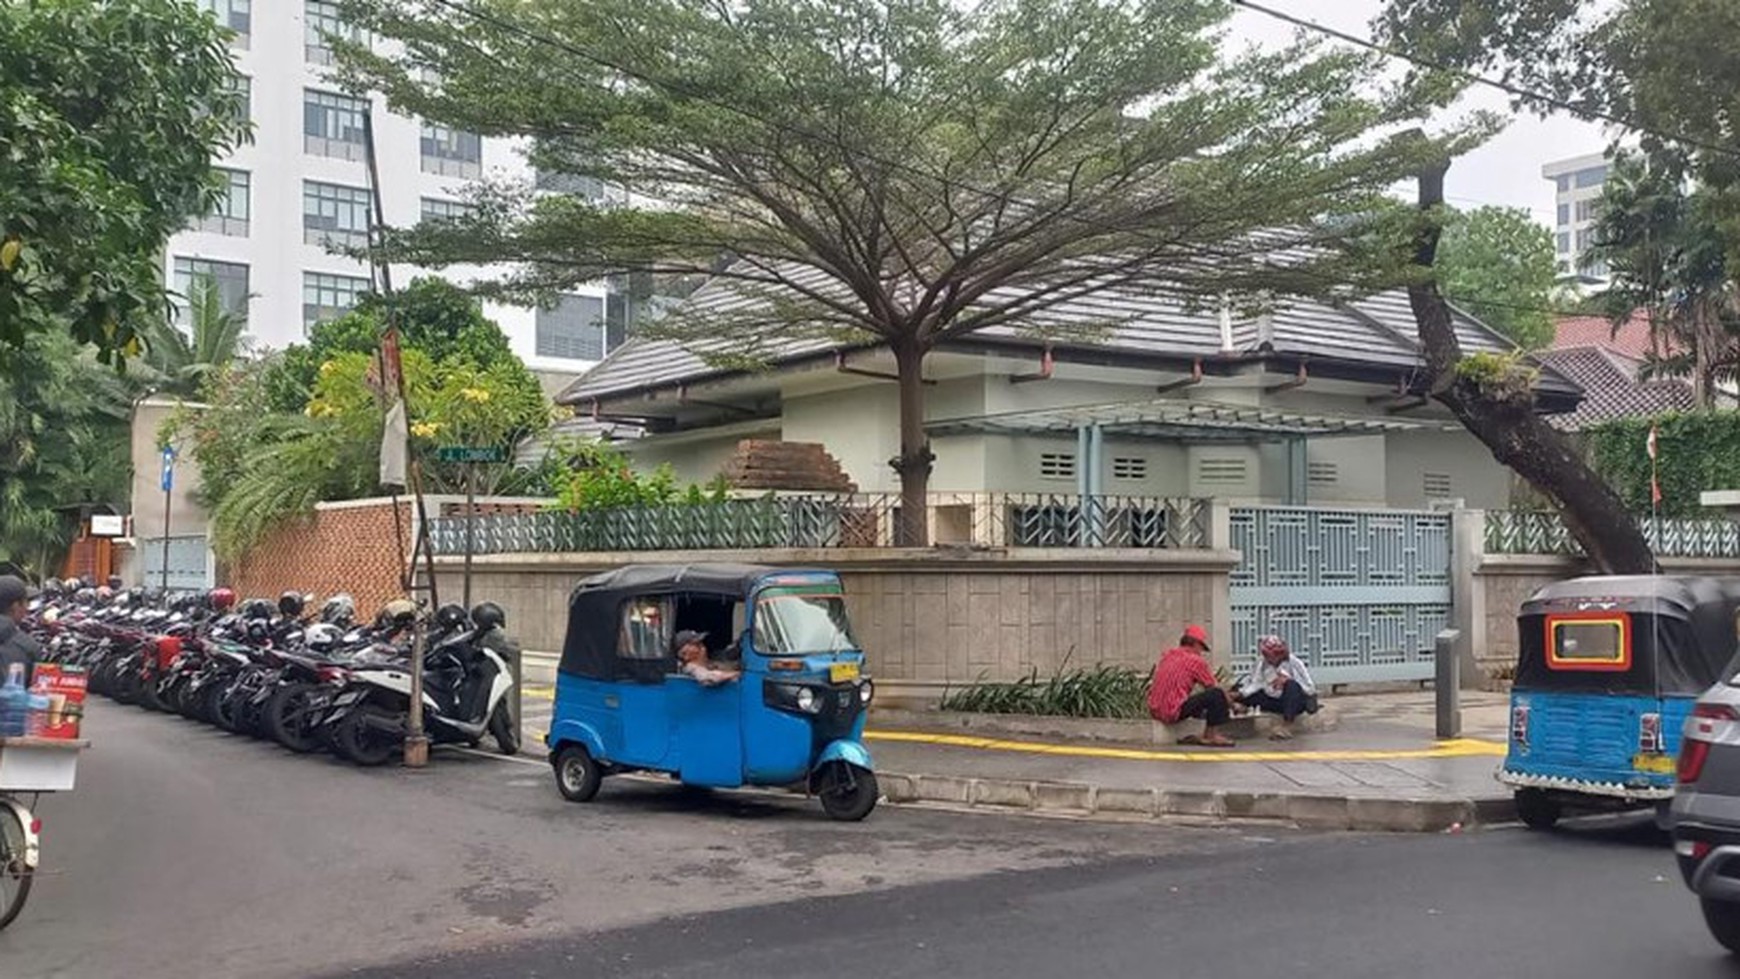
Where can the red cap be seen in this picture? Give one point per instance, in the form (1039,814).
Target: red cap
(1198,634)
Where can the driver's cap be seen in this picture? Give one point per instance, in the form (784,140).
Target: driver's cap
(688,636)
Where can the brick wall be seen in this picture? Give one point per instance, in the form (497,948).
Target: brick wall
(346,548)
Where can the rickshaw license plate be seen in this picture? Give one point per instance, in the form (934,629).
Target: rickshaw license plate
(1659,764)
(842,672)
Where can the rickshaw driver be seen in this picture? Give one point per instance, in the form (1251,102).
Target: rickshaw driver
(692,654)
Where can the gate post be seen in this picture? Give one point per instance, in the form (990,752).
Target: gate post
(1467,591)
(1446,686)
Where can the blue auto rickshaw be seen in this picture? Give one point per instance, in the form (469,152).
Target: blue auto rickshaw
(793,717)
(1608,669)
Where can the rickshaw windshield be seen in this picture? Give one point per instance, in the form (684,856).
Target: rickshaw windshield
(792,622)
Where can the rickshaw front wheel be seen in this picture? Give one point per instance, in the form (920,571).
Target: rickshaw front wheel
(1723,920)
(577,773)
(848,792)
(1537,809)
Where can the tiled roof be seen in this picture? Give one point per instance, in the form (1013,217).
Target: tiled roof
(1611,388)
(1376,332)
(1630,340)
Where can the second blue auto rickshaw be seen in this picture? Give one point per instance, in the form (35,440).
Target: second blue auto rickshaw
(1608,669)
(793,717)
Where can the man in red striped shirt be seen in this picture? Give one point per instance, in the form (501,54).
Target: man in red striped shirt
(1173,694)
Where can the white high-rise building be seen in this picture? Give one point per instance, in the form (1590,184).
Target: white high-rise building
(303,183)
(1577,184)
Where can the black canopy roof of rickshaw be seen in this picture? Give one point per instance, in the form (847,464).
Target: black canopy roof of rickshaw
(594,607)
(1688,647)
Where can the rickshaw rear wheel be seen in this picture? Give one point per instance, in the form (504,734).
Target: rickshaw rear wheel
(849,792)
(577,773)
(1723,920)
(1537,809)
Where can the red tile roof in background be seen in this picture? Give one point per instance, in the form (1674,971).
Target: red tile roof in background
(1630,340)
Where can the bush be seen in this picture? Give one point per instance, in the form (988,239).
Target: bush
(1100,691)
(1696,451)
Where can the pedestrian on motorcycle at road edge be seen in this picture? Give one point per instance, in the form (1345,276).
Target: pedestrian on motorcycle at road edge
(16,645)
(692,654)
(1184,686)
(1280,684)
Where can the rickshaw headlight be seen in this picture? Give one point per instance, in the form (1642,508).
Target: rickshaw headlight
(806,700)
(865,691)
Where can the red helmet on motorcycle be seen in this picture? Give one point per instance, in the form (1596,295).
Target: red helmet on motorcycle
(221,599)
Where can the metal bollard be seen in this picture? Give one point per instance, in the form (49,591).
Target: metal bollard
(1447,682)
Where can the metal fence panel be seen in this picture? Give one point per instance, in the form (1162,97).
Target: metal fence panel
(1359,594)
(189,561)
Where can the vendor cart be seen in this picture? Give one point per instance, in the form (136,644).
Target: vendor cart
(28,768)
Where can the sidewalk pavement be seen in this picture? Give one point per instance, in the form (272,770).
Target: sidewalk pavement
(1379,767)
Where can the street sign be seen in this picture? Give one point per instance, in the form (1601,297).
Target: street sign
(471,453)
(168,468)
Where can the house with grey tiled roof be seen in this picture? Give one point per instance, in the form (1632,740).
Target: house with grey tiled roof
(1307,402)
(1612,387)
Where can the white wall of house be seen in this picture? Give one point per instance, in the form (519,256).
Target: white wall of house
(1449,465)
(696,457)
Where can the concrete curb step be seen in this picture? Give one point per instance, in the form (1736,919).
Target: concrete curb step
(1244,727)
(1397,815)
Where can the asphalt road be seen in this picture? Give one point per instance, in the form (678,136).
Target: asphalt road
(186,852)
(1586,903)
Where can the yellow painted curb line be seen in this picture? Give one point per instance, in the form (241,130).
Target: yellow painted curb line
(1457,748)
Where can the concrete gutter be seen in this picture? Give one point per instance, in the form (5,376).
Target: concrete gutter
(1313,811)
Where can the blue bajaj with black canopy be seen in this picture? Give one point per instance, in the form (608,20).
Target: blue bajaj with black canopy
(1608,670)
(793,716)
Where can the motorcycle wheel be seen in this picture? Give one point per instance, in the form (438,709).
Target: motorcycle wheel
(288,720)
(14,878)
(224,708)
(126,687)
(505,732)
(149,697)
(849,792)
(362,742)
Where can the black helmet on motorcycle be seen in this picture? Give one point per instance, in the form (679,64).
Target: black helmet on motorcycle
(259,630)
(221,599)
(257,608)
(488,615)
(397,613)
(51,586)
(115,583)
(291,604)
(449,617)
(339,610)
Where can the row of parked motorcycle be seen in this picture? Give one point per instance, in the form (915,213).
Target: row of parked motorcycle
(309,679)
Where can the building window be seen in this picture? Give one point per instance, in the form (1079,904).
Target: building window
(1056,465)
(439,209)
(230,215)
(1564,214)
(1585,238)
(321,23)
(327,297)
(1564,241)
(1563,181)
(452,152)
(572,330)
(1322,474)
(1220,472)
(237,15)
(1592,177)
(332,125)
(334,215)
(229,278)
(1586,209)
(1437,485)
(556,182)
(1129,467)
(244,87)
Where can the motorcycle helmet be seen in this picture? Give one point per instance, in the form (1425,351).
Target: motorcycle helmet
(115,583)
(397,613)
(291,604)
(221,599)
(51,586)
(257,609)
(488,615)
(322,638)
(339,610)
(259,631)
(105,593)
(449,617)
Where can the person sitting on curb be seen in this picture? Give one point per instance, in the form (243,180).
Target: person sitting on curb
(1280,684)
(692,653)
(1184,687)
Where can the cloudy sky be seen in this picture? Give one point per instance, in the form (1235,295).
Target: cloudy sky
(1507,169)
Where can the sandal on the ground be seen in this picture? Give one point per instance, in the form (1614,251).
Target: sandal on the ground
(1190,739)
(1217,743)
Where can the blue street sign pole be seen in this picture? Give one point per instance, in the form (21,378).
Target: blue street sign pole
(168,484)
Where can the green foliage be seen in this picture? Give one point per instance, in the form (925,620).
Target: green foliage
(63,441)
(1498,264)
(1102,691)
(111,112)
(594,475)
(178,363)
(1502,376)
(1696,452)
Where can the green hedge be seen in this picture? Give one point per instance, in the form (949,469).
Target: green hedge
(1697,451)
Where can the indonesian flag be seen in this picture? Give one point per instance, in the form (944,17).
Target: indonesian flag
(395,433)
(1654,483)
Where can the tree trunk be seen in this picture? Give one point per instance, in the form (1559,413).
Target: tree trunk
(912,529)
(1503,417)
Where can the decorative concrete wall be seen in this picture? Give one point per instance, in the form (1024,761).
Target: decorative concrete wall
(933,618)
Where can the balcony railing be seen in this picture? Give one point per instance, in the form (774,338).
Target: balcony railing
(860,520)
